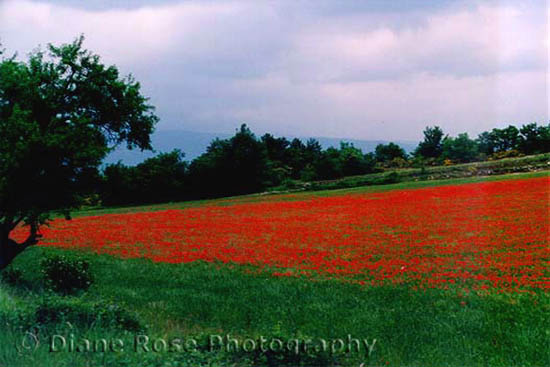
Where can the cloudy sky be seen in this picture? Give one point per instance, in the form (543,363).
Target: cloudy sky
(357,69)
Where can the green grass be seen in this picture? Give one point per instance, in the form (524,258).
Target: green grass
(412,328)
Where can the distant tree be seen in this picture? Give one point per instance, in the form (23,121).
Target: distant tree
(534,139)
(460,149)
(431,146)
(297,159)
(353,161)
(506,139)
(312,155)
(329,166)
(163,178)
(276,148)
(238,165)
(312,151)
(486,143)
(158,179)
(388,152)
(119,185)
(60,114)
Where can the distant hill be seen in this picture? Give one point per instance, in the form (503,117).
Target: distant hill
(194,144)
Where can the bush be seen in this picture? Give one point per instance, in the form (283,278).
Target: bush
(399,163)
(290,184)
(65,275)
(390,178)
(421,162)
(506,154)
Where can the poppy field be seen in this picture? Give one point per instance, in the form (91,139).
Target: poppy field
(477,236)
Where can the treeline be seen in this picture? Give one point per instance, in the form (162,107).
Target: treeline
(246,164)
(436,148)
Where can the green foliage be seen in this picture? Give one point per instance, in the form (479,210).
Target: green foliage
(486,143)
(505,139)
(66,275)
(431,146)
(347,161)
(460,149)
(535,139)
(162,178)
(399,162)
(529,139)
(385,153)
(241,164)
(290,184)
(277,157)
(353,161)
(505,154)
(230,167)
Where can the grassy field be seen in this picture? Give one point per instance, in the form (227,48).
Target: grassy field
(131,298)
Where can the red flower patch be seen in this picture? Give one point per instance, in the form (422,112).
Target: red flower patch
(482,235)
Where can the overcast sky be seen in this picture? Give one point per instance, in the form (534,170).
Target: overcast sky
(356,69)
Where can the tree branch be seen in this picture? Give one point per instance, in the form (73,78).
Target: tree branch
(34,236)
(15,222)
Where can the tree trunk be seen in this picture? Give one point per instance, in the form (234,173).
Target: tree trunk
(9,249)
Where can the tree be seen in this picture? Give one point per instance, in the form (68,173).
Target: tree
(486,142)
(119,185)
(460,149)
(534,139)
(158,179)
(275,148)
(431,146)
(312,151)
(231,166)
(353,161)
(330,165)
(296,153)
(505,139)
(61,112)
(387,152)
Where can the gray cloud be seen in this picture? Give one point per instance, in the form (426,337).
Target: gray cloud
(344,69)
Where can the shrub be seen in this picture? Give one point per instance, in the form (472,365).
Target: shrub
(399,163)
(65,275)
(290,184)
(506,154)
(390,178)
